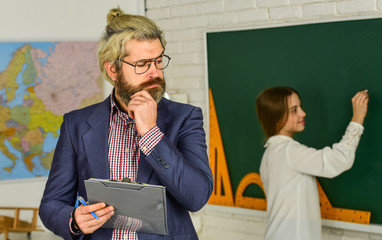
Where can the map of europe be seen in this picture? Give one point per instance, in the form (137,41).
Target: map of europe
(39,83)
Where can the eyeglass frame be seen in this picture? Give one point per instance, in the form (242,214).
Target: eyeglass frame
(146,60)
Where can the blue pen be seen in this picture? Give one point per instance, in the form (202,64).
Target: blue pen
(84,203)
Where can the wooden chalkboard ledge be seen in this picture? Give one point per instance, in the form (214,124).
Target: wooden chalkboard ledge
(369,228)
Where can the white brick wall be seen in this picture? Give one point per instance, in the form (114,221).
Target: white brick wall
(321,9)
(272,3)
(239,5)
(356,6)
(185,23)
(250,15)
(287,12)
(207,7)
(226,223)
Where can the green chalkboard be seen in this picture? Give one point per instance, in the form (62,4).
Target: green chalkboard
(327,63)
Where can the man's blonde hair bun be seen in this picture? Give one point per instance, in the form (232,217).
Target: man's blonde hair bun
(113,13)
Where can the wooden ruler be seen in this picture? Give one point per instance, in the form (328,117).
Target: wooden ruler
(222,193)
(250,202)
(341,214)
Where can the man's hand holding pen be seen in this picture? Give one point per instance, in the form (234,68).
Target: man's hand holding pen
(87,222)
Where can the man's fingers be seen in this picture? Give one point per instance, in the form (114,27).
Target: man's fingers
(96,206)
(90,208)
(87,222)
(142,93)
(105,211)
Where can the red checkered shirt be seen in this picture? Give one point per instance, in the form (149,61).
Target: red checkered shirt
(124,147)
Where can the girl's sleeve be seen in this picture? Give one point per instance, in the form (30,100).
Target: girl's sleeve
(329,161)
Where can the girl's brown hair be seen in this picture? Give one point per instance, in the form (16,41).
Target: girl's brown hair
(272,108)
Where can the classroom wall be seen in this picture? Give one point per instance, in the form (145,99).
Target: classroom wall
(46,20)
(185,23)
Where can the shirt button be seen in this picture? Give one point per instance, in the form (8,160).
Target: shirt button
(124,237)
(126,149)
(144,148)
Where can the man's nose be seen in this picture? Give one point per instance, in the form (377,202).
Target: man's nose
(153,72)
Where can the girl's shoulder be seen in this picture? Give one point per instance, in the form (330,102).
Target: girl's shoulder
(278,139)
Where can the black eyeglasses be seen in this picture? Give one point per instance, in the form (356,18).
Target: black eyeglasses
(144,65)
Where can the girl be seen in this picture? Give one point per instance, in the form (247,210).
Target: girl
(288,168)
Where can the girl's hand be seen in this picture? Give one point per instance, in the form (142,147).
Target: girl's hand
(360,101)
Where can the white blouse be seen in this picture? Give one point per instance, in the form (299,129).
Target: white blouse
(288,169)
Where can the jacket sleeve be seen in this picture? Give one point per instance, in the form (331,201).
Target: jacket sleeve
(327,162)
(182,165)
(60,191)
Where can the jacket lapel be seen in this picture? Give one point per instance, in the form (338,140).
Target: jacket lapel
(96,140)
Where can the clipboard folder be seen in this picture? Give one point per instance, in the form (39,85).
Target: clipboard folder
(137,206)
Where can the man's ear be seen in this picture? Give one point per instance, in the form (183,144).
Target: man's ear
(111,70)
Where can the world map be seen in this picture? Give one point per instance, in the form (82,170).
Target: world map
(39,82)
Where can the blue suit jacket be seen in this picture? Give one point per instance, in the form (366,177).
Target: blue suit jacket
(179,162)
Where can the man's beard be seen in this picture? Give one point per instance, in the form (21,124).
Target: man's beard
(126,90)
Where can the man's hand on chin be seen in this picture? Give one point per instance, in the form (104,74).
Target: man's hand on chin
(143,108)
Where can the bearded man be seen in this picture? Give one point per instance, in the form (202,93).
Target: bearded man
(133,133)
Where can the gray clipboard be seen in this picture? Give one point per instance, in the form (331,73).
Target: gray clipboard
(137,207)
